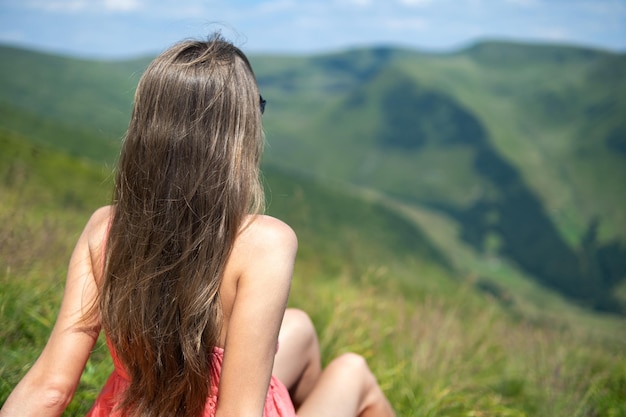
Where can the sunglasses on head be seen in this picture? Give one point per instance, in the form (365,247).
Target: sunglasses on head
(262,102)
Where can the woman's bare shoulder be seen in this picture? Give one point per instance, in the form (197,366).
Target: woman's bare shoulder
(265,246)
(96,232)
(263,238)
(99,221)
(268,231)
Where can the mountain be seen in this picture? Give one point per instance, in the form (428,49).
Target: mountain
(87,98)
(521,148)
(393,270)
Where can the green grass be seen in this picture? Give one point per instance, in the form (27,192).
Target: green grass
(47,197)
(366,276)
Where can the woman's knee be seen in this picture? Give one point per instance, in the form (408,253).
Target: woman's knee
(356,366)
(356,372)
(295,315)
(298,322)
(297,363)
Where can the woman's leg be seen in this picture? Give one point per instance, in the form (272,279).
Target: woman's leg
(347,388)
(297,363)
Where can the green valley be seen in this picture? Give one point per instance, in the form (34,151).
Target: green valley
(459,215)
(521,146)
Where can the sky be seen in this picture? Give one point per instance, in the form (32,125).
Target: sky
(121,29)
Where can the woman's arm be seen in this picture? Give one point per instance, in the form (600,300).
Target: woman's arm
(266,254)
(49,385)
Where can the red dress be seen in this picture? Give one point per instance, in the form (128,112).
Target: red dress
(277,404)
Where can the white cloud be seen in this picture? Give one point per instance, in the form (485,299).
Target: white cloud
(63,6)
(277,6)
(302,25)
(122,5)
(413,3)
(358,3)
(78,6)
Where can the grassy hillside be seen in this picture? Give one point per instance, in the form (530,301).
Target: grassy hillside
(76,93)
(370,280)
(518,145)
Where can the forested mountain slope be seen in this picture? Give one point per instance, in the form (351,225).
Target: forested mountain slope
(522,146)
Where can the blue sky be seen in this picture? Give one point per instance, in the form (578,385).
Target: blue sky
(125,28)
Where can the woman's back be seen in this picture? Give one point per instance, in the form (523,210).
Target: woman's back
(263,239)
(264,244)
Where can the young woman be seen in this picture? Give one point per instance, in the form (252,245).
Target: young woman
(188,282)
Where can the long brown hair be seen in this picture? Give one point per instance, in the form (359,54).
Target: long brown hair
(187,177)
